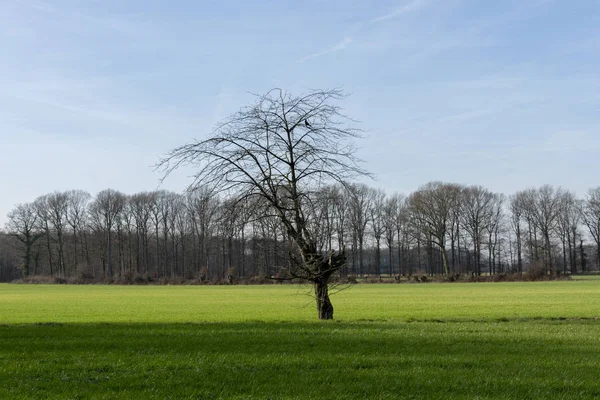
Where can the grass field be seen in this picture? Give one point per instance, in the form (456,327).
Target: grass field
(497,340)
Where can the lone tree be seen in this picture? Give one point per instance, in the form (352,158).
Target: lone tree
(279,152)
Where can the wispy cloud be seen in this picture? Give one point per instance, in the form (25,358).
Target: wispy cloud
(88,106)
(406,8)
(411,6)
(123,26)
(468,115)
(570,142)
(341,45)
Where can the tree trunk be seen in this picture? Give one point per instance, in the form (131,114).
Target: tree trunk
(564,248)
(324,306)
(519,251)
(27,264)
(360,256)
(109,256)
(378,258)
(444,260)
(400,244)
(391,267)
(574,264)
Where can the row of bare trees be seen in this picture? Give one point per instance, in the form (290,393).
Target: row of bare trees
(442,228)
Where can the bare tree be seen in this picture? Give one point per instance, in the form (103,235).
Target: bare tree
(545,211)
(359,199)
(494,228)
(476,214)
(377,224)
(140,205)
(156,206)
(431,206)
(283,149)
(403,233)
(516,217)
(177,225)
(590,212)
(567,225)
(105,210)
(527,203)
(42,209)
(341,214)
(390,213)
(203,206)
(455,230)
(22,224)
(77,202)
(57,204)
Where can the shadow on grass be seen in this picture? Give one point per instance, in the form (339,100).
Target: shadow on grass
(510,359)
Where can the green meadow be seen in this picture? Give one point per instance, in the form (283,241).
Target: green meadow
(471,340)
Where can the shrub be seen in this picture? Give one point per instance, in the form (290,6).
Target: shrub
(203,274)
(129,277)
(259,279)
(537,272)
(230,275)
(38,279)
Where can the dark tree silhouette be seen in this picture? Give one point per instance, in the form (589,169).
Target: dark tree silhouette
(22,224)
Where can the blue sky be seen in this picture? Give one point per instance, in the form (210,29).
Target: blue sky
(505,94)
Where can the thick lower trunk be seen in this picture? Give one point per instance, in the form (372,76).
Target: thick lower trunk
(324,306)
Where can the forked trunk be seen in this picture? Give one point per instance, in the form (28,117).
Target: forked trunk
(324,306)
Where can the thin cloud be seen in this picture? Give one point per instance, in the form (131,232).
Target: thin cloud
(344,43)
(121,26)
(570,142)
(340,46)
(409,7)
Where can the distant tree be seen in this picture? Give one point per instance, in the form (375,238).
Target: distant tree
(77,203)
(22,224)
(203,207)
(140,207)
(341,211)
(568,220)
(477,209)
(282,149)
(377,220)
(324,220)
(58,203)
(105,210)
(494,229)
(431,207)
(516,217)
(359,200)
(390,214)
(43,211)
(156,212)
(545,211)
(590,212)
(403,228)
(455,230)
(177,228)
(11,267)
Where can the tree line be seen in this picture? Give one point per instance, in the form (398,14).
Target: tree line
(441,228)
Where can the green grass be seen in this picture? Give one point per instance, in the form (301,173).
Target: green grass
(503,340)
(593,277)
